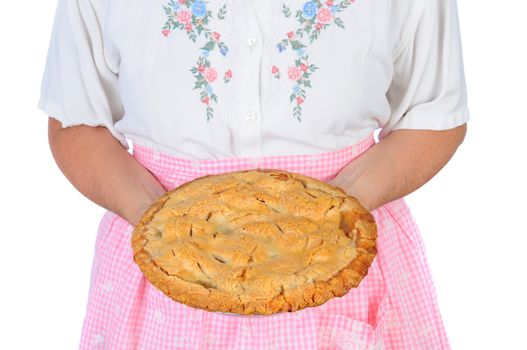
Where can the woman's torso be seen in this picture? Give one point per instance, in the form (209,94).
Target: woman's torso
(232,78)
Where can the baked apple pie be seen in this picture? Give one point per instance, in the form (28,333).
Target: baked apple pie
(256,241)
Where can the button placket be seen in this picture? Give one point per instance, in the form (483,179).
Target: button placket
(249,117)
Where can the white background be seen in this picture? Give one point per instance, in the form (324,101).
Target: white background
(472,215)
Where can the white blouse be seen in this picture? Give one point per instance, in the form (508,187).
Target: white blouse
(248,78)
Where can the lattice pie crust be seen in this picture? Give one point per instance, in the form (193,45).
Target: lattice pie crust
(256,241)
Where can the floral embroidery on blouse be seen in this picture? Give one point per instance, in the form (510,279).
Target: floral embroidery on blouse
(192,16)
(314,17)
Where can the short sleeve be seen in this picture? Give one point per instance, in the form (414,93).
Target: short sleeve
(78,85)
(428,89)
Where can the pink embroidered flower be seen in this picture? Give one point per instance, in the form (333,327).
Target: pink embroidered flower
(216,36)
(182,1)
(205,100)
(201,68)
(275,70)
(228,73)
(318,25)
(290,34)
(303,67)
(210,74)
(188,27)
(329,3)
(165,32)
(184,16)
(299,100)
(293,73)
(324,15)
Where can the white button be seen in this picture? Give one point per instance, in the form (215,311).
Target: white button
(251,42)
(250,117)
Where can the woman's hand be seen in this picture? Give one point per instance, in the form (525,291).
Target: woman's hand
(397,165)
(103,170)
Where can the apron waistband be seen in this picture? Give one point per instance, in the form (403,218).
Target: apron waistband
(172,171)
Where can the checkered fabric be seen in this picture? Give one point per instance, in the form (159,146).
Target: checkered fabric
(394,307)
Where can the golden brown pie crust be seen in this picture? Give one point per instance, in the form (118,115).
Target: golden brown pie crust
(256,241)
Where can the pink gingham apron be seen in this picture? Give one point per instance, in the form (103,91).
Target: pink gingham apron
(394,307)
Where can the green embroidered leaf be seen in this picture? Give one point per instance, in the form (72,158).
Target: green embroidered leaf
(286,10)
(299,17)
(307,83)
(313,36)
(209,46)
(210,113)
(222,12)
(343,5)
(214,97)
(308,28)
(299,33)
(296,44)
(292,97)
(297,111)
(222,44)
(339,22)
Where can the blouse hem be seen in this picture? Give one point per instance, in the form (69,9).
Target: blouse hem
(429,122)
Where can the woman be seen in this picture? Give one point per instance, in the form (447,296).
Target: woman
(207,87)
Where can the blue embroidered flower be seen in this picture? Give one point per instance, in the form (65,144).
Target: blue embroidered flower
(208,90)
(205,53)
(280,47)
(296,88)
(300,52)
(175,6)
(333,9)
(199,9)
(224,50)
(310,9)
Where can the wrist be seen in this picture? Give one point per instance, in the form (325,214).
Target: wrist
(362,189)
(137,205)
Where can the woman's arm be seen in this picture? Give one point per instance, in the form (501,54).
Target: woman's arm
(400,163)
(102,170)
